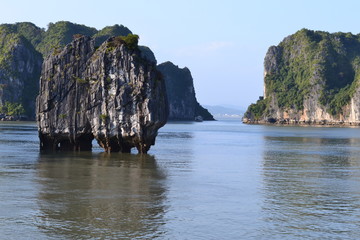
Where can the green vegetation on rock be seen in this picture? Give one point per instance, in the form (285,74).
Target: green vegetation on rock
(20,66)
(257,110)
(13,109)
(116,30)
(8,38)
(104,117)
(297,69)
(35,44)
(31,32)
(23,46)
(130,41)
(61,33)
(310,63)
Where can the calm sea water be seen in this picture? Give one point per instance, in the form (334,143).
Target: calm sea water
(210,180)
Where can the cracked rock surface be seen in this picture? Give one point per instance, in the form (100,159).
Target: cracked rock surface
(113,94)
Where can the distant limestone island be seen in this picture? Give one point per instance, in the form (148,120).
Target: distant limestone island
(24,46)
(183,104)
(311,77)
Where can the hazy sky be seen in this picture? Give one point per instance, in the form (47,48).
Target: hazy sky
(223,43)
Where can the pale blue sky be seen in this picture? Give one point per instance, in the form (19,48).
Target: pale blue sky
(223,43)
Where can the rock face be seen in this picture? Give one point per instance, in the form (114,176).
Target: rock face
(32,44)
(20,67)
(181,94)
(22,49)
(311,77)
(111,94)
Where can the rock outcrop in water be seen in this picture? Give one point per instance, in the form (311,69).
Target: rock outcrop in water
(111,94)
(311,77)
(181,94)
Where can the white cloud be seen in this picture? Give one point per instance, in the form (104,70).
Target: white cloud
(203,49)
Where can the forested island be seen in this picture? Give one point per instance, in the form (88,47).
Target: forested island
(311,77)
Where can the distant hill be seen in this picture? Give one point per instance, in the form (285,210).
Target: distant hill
(224,111)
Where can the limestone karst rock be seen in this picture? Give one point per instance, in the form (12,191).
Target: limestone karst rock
(20,67)
(111,94)
(183,104)
(36,43)
(311,77)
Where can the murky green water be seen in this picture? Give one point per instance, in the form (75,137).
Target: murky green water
(210,180)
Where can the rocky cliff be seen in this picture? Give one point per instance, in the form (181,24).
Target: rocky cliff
(181,93)
(22,49)
(39,43)
(311,77)
(20,66)
(111,93)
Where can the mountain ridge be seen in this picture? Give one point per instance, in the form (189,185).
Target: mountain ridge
(45,43)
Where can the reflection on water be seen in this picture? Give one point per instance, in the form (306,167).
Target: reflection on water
(210,180)
(311,185)
(176,146)
(100,195)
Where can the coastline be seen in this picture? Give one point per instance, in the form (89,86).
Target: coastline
(15,119)
(287,122)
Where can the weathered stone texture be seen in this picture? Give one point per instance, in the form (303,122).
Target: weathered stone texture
(111,94)
(19,72)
